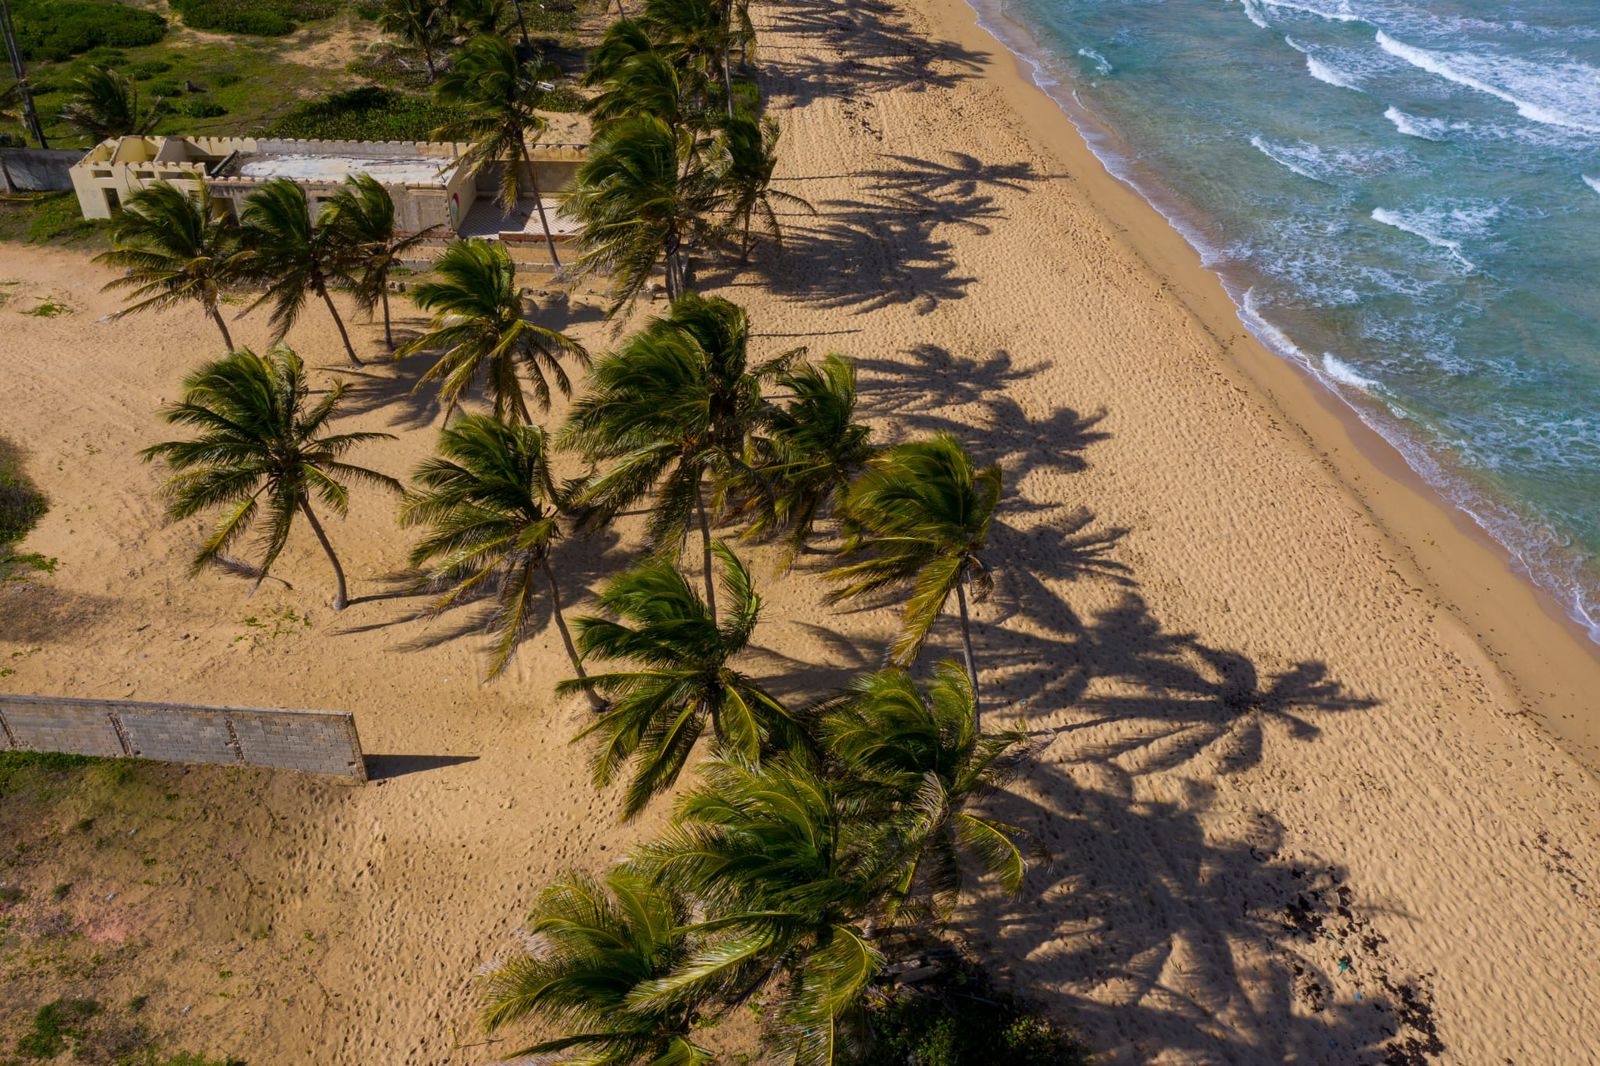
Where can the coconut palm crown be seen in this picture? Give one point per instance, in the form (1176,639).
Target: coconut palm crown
(174,249)
(481,329)
(919,516)
(676,677)
(261,452)
(362,214)
(106,104)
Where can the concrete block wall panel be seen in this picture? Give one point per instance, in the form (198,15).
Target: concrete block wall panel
(191,736)
(78,728)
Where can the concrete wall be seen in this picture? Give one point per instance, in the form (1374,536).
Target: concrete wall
(37,169)
(318,742)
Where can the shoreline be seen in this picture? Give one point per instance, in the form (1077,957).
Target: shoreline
(1543,656)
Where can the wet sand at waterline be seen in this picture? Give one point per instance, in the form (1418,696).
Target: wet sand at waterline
(1277,768)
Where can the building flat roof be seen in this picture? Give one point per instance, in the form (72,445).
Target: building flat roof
(415,170)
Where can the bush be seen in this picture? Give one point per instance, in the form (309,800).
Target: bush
(165,88)
(370,113)
(227,78)
(196,107)
(53,1024)
(60,29)
(21,504)
(145,69)
(259,18)
(960,1019)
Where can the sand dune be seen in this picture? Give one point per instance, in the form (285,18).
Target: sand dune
(1296,812)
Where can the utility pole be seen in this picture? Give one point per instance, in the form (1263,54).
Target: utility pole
(29,112)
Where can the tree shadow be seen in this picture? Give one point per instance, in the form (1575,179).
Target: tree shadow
(879,50)
(35,611)
(1164,941)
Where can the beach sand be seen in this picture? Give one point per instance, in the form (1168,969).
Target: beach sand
(1302,802)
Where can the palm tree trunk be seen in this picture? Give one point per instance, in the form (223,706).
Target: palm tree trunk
(340,597)
(566,637)
(216,316)
(522,26)
(388,330)
(966,645)
(538,202)
(621,14)
(705,547)
(727,72)
(355,360)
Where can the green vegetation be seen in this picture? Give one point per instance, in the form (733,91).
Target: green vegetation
(21,507)
(49,218)
(54,1025)
(261,18)
(367,113)
(17,767)
(60,29)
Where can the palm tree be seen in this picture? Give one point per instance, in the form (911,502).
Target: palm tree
(749,152)
(643,84)
(681,678)
(493,513)
(260,443)
(787,876)
(500,94)
(473,18)
(423,24)
(919,760)
(106,104)
(920,516)
(480,325)
(292,255)
(811,447)
(696,36)
(640,194)
(670,408)
(173,248)
(622,40)
(593,945)
(362,213)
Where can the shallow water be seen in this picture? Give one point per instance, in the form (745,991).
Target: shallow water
(1404,196)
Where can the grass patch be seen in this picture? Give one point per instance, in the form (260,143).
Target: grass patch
(21,767)
(962,1018)
(53,1025)
(59,29)
(49,309)
(369,113)
(259,18)
(48,218)
(21,507)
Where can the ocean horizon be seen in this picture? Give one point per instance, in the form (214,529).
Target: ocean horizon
(1401,198)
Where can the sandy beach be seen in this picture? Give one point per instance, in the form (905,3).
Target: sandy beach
(1316,770)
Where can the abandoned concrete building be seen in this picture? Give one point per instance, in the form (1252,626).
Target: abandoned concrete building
(428,188)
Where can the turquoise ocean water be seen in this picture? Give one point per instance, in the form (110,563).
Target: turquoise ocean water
(1401,195)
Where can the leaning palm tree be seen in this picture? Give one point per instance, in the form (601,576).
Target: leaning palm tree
(293,256)
(646,84)
(493,513)
(639,196)
(679,679)
(260,447)
(106,104)
(424,24)
(174,249)
(480,326)
(787,874)
(500,95)
(362,212)
(749,151)
(622,40)
(696,35)
(809,450)
(670,410)
(920,516)
(593,945)
(917,758)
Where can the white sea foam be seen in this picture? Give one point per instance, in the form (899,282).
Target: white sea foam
(1429,129)
(1416,225)
(1282,158)
(1444,226)
(1332,10)
(1323,70)
(1343,372)
(1326,164)
(1252,11)
(1101,63)
(1556,94)
(1593,183)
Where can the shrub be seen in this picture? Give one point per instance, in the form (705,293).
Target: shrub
(145,69)
(227,78)
(60,29)
(21,504)
(166,88)
(53,1023)
(195,107)
(962,1018)
(259,18)
(370,113)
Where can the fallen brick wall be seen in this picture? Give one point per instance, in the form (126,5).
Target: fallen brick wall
(317,742)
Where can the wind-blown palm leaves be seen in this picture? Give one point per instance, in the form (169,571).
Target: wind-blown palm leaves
(681,680)
(173,248)
(638,197)
(669,409)
(480,327)
(594,946)
(292,255)
(749,155)
(424,24)
(362,214)
(106,104)
(920,516)
(918,762)
(809,450)
(260,452)
(696,36)
(493,513)
(622,40)
(787,874)
(499,93)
